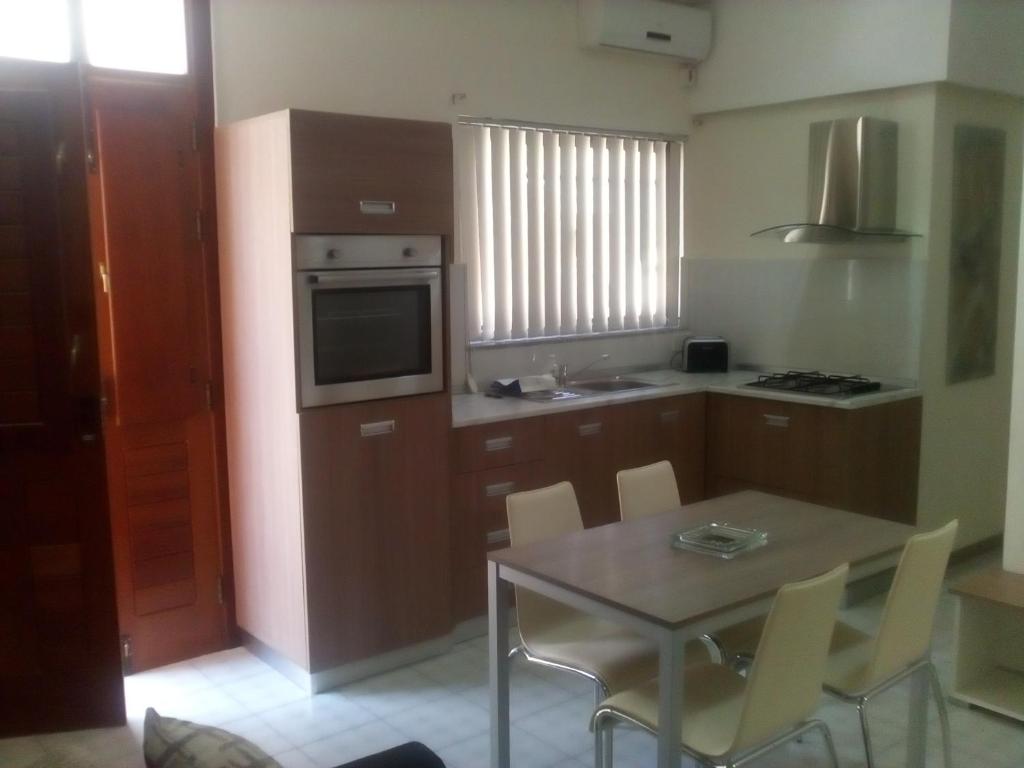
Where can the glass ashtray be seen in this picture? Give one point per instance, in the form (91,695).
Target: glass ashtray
(719,540)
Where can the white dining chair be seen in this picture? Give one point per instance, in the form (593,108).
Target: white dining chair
(728,719)
(652,490)
(649,490)
(860,665)
(557,636)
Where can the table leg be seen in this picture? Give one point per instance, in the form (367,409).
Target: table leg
(917,728)
(497,643)
(670,695)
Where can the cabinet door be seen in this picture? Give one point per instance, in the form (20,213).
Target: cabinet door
(578,447)
(376,526)
(370,175)
(480,524)
(767,444)
(670,428)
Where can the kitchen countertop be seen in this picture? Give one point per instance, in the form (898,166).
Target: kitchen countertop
(471,409)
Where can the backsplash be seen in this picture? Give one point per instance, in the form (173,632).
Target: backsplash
(624,352)
(854,315)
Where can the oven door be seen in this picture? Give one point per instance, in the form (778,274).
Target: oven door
(368,334)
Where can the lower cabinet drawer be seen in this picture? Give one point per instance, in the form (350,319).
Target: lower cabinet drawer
(501,444)
(482,525)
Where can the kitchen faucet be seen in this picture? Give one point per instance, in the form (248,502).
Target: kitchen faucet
(561,370)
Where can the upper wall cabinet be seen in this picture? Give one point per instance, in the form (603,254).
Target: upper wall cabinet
(368,175)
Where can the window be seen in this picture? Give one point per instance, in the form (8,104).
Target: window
(134,35)
(140,36)
(37,30)
(566,233)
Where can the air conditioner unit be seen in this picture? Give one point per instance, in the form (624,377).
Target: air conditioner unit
(651,26)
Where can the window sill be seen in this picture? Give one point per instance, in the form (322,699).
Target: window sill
(573,337)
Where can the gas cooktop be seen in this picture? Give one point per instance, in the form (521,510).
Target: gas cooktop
(816,383)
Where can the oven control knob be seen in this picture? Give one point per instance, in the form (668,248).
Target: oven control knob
(332,254)
(408,252)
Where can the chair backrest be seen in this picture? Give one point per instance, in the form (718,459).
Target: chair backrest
(535,516)
(648,490)
(904,636)
(784,684)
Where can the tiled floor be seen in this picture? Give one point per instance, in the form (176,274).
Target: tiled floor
(443,703)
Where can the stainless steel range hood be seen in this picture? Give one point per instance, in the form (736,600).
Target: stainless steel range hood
(851,191)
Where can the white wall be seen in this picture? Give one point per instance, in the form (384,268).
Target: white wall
(786,50)
(853,308)
(1013,538)
(986,45)
(405,58)
(965,428)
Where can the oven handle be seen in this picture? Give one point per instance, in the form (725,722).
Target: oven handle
(377,276)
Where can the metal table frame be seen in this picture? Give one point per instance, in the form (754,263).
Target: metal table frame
(671,643)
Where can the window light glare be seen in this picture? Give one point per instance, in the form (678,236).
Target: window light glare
(140,36)
(37,30)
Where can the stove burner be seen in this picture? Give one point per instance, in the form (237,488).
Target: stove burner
(816,383)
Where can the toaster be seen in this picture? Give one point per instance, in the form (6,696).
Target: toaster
(705,354)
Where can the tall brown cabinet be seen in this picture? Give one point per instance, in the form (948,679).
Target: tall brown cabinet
(340,540)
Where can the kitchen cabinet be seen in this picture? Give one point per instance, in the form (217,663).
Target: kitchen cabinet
(862,459)
(376,526)
(340,515)
(367,175)
(586,447)
(489,461)
(579,446)
(669,428)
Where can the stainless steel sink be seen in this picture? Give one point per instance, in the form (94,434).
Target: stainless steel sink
(616,384)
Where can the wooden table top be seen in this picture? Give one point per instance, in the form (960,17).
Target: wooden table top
(632,565)
(993,585)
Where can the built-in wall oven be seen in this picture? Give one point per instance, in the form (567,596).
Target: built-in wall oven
(369,317)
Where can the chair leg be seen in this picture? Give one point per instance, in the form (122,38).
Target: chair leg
(603,746)
(714,645)
(830,745)
(940,704)
(865,732)
(603,742)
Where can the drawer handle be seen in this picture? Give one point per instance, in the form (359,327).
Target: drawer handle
(498,444)
(377,207)
(589,430)
(771,420)
(376,428)
(498,537)
(500,489)
(667,417)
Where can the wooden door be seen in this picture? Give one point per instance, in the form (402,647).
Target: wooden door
(158,372)
(59,666)
(376,526)
(578,447)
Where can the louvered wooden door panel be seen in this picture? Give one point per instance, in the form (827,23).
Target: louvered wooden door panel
(156,360)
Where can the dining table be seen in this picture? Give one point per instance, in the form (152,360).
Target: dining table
(629,573)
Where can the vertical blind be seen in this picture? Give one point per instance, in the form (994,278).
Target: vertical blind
(566,233)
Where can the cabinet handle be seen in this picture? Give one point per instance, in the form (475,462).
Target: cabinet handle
(498,537)
(589,430)
(500,489)
(498,444)
(377,207)
(668,417)
(771,420)
(376,428)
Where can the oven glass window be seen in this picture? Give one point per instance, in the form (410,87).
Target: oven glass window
(370,333)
